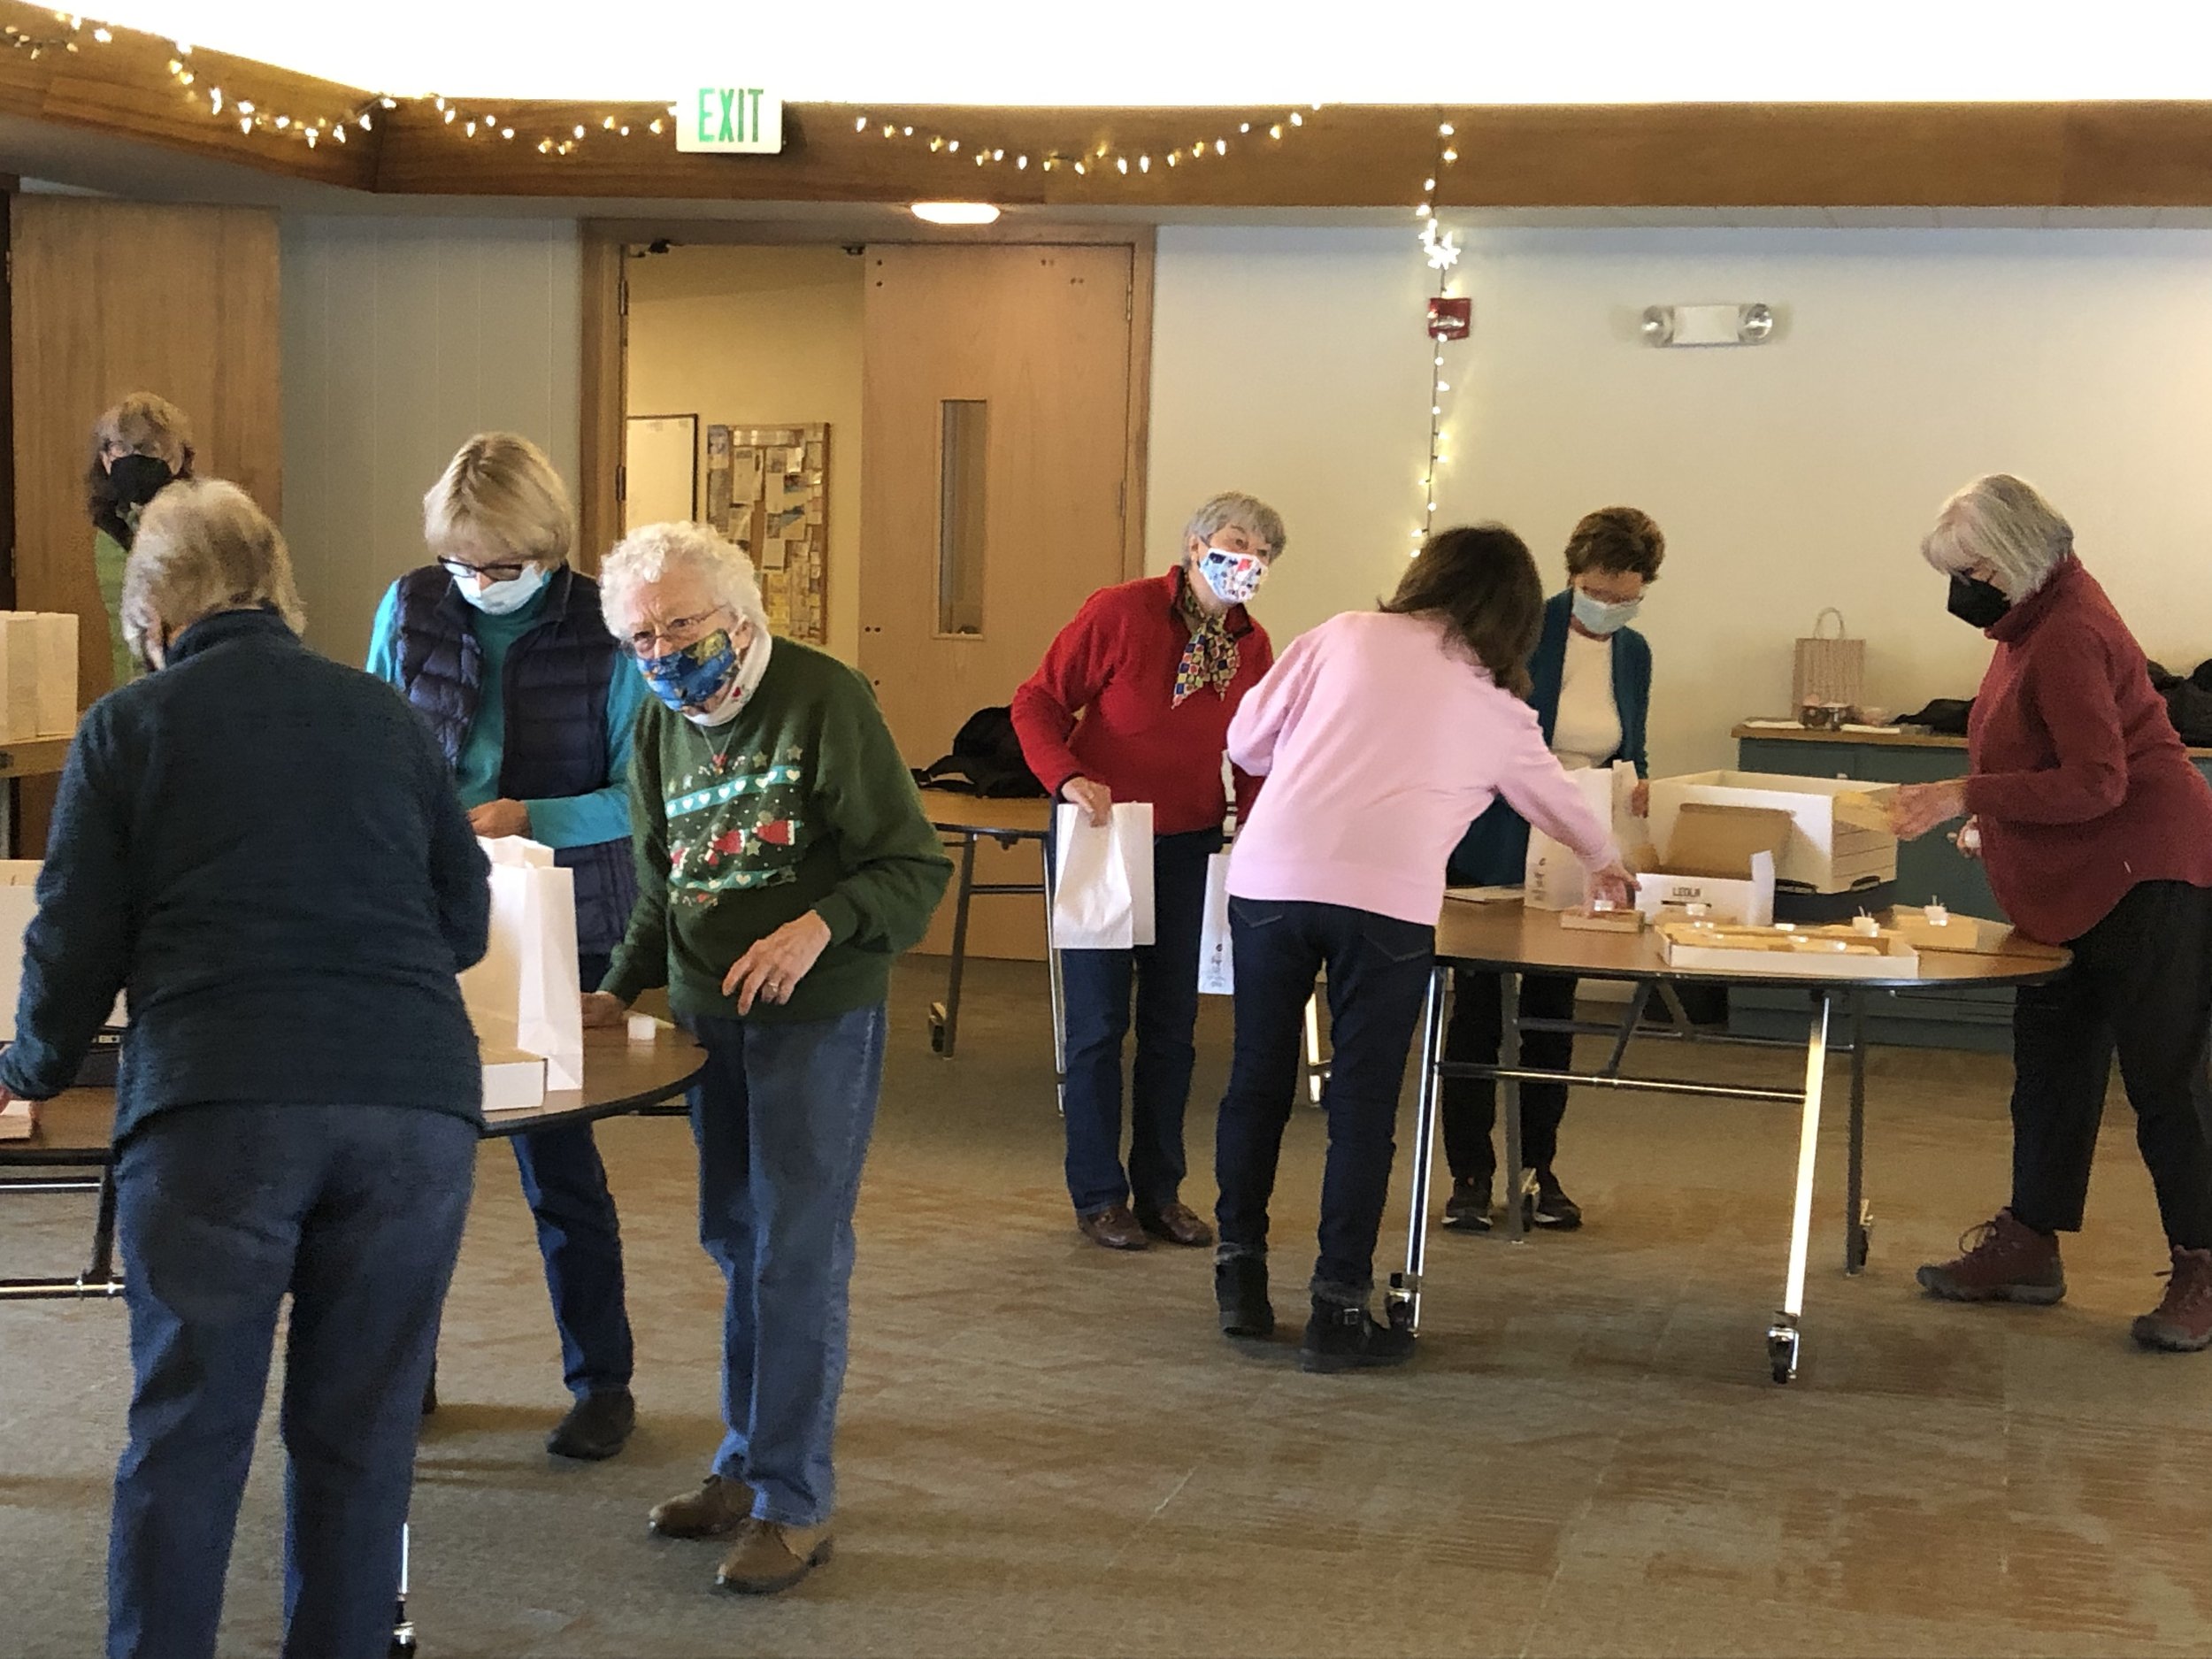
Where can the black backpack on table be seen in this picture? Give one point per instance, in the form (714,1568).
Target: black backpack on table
(986,760)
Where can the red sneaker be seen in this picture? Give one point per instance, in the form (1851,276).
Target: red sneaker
(2182,1324)
(2004,1260)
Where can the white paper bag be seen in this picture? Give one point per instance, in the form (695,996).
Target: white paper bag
(524,995)
(38,675)
(1102,892)
(1553,878)
(1216,960)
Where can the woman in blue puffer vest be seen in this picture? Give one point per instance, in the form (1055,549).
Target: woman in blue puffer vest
(501,646)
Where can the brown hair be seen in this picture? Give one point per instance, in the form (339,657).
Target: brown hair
(1620,540)
(1481,583)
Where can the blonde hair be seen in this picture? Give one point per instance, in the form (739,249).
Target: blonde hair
(2004,522)
(647,554)
(141,423)
(204,547)
(499,495)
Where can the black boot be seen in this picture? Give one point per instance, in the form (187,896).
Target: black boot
(1240,1291)
(1341,1337)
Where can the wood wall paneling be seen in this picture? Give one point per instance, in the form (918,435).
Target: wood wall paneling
(108,298)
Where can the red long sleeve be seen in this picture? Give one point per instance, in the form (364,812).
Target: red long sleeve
(1102,705)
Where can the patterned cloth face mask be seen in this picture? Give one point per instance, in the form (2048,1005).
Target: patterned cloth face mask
(692,679)
(1234,577)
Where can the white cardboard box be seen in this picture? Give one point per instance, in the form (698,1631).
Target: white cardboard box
(1746,900)
(1822,854)
(513,1081)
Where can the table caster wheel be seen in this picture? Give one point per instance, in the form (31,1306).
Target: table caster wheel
(937,1028)
(403,1643)
(1782,1352)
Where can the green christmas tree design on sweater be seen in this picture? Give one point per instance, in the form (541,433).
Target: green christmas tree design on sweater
(735,822)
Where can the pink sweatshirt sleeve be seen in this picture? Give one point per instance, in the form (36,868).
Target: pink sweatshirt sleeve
(1270,708)
(1536,786)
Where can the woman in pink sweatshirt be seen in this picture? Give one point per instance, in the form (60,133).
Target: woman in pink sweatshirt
(1382,735)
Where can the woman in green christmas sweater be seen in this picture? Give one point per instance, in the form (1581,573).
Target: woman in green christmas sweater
(139,449)
(783,863)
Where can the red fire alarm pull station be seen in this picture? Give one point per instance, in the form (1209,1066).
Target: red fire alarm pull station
(1450,320)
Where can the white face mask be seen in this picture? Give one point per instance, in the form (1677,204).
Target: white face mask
(504,599)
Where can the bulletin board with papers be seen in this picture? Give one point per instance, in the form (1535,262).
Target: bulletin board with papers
(768,491)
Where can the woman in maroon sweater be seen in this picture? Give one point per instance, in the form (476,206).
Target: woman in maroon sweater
(2097,833)
(1155,669)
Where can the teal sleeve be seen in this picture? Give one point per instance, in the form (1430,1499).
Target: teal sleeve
(585,820)
(384,639)
(641,961)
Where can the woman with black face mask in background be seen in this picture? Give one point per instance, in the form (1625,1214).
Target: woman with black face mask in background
(139,448)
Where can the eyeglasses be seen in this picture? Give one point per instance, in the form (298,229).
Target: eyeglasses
(677,631)
(461,570)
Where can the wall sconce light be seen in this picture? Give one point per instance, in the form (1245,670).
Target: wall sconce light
(1708,325)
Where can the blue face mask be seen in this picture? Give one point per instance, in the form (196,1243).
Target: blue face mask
(1601,618)
(504,599)
(693,680)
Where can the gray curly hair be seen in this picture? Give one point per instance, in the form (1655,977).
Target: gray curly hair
(649,553)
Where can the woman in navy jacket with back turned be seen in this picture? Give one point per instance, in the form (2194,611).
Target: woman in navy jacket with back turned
(1592,688)
(266,848)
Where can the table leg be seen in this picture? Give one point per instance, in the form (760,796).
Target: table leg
(1313,1050)
(403,1627)
(1517,1178)
(945,1018)
(1059,993)
(1782,1335)
(1857,1224)
(1403,1304)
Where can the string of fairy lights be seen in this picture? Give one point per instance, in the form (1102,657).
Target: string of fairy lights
(472,119)
(1441,248)
(480,119)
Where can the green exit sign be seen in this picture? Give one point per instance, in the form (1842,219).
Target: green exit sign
(730,120)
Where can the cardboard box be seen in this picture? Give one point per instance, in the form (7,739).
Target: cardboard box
(19,904)
(1823,853)
(1719,866)
(1934,928)
(1821,953)
(38,675)
(513,1081)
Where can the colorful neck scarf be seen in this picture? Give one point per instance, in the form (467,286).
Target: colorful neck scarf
(1210,658)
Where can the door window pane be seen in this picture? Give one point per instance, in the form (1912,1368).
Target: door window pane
(960,447)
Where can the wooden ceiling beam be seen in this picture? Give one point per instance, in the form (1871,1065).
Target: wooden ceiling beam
(1634,156)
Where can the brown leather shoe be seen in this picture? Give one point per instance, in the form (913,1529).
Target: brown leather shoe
(720,1505)
(1113,1227)
(2182,1324)
(2004,1260)
(1178,1224)
(770,1556)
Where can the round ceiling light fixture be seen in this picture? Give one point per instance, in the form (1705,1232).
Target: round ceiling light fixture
(956,213)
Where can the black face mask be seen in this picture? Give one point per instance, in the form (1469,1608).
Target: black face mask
(1978,604)
(138,479)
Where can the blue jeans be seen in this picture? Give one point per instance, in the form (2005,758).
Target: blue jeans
(783,1116)
(581,1241)
(1378,973)
(356,1211)
(1096,986)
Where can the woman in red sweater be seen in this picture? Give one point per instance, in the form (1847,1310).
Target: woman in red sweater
(2097,833)
(1155,669)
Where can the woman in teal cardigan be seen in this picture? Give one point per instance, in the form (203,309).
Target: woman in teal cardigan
(1591,675)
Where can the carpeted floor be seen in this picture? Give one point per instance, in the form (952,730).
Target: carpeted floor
(1047,1450)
